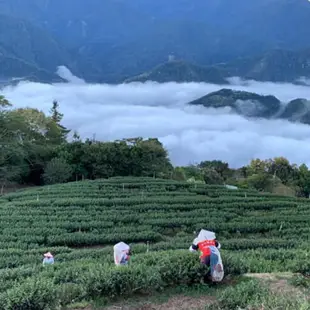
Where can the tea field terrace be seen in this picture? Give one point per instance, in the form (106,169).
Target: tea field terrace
(79,222)
(162,213)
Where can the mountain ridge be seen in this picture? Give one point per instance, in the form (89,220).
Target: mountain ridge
(114,40)
(180,71)
(253,105)
(23,51)
(273,66)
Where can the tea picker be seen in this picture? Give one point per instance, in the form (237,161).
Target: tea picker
(122,254)
(48,259)
(210,256)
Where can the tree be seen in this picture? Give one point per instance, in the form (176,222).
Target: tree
(178,174)
(32,125)
(9,173)
(12,153)
(220,167)
(99,159)
(11,163)
(257,166)
(4,103)
(55,114)
(57,171)
(135,157)
(149,158)
(29,127)
(76,137)
(56,133)
(303,181)
(260,181)
(194,172)
(74,154)
(211,176)
(282,168)
(28,140)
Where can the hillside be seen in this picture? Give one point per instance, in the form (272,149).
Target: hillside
(273,66)
(92,38)
(245,103)
(11,65)
(180,71)
(79,222)
(297,110)
(28,51)
(255,105)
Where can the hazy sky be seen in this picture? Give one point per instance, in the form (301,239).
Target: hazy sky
(191,134)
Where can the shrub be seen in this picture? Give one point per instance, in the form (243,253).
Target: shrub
(251,294)
(107,281)
(148,272)
(300,281)
(57,171)
(33,294)
(243,294)
(70,293)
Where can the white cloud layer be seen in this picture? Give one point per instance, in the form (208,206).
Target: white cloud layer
(191,134)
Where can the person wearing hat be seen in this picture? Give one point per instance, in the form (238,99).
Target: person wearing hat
(48,259)
(122,254)
(206,244)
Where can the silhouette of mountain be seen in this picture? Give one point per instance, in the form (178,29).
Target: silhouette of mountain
(180,71)
(258,106)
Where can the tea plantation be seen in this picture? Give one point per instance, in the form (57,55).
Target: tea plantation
(79,223)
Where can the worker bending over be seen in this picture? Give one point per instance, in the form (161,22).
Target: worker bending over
(122,254)
(210,256)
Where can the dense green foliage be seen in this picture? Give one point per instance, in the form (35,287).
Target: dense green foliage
(80,221)
(275,175)
(35,150)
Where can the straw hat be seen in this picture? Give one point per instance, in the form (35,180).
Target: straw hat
(48,254)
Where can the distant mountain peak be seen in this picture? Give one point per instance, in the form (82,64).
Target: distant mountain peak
(180,71)
(243,102)
(254,105)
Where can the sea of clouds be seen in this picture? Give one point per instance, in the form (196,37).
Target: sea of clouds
(190,133)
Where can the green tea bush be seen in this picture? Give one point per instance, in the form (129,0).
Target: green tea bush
(111,282)
(32,294)
(69,293)
(242,295)
(179,267)
(300,281)
(251,294)
(148,272)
